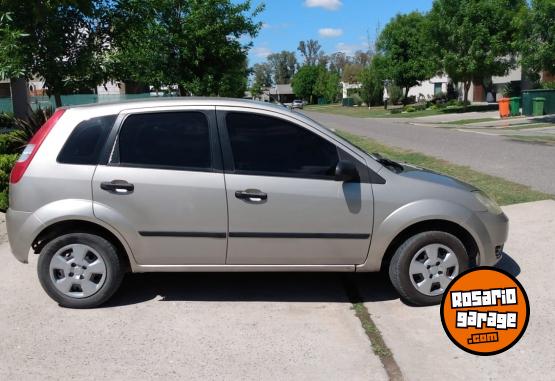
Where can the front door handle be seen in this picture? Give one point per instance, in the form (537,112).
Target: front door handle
(251,194)
(119,186)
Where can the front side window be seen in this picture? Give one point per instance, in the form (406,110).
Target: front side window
(165,139)
(271,146)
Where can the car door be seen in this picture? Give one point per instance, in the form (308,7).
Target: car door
(285,207)
(162,186)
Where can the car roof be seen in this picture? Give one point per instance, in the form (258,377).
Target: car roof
(181,101)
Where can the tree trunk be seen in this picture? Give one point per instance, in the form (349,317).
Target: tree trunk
(20,98)
(466,85)
(406,101)
(182,91)
(58,99)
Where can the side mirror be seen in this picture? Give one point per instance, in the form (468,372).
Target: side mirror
(345,171)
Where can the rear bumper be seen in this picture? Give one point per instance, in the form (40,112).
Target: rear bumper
(21,226)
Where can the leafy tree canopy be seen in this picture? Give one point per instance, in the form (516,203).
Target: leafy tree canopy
(538,36)
(406,47)
(195,43)
(475,39)
(63,44)
(283,66)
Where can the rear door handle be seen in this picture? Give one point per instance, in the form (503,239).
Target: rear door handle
(251,194)
(119,186)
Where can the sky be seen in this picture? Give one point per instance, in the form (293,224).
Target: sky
(339,25)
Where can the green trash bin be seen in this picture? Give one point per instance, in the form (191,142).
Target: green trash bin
(515,106)
(348,102)
(537,107)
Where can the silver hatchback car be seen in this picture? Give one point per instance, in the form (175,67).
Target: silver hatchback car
(200,184)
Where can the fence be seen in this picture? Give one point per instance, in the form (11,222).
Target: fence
(74,99)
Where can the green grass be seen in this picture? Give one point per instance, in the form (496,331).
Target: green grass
(364,112)
(534,139)
(505,192)
(471,121)
(379,112)
(526,126)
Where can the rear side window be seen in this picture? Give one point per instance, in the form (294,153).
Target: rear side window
(168,139)
(264,145)
(85,143)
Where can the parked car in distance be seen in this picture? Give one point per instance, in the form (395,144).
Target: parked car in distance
(297,103)
(201,184)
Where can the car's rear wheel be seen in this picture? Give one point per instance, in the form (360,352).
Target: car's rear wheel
(424,265)
(80,270)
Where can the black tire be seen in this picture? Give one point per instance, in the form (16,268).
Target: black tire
(400,263)
(112,261)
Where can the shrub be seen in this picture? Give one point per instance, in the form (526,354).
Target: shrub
(397,110)
(410,109)
(6,164)
(9,143)
(357,99)
(548,85)
(395,94)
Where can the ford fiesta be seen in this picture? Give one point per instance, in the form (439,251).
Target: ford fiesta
(200,184)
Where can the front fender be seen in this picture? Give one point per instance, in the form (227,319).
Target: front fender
(393,223)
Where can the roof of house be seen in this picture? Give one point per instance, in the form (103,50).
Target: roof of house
(281,89)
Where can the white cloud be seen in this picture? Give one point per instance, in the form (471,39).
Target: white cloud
(330,5)
(350,49)
(284,25)
(261,51)
(330,32)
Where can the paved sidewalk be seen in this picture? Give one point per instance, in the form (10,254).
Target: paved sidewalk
(423,350)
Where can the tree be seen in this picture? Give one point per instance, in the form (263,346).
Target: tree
(311,51)
(362,58)
(372,80)
(283,66)
(304,81)
(406,48)
(474,39)
(338,61)
(327,84)
(63,45)
(537,43)
(195,44)
(12,65)
(262,74)
(351,73)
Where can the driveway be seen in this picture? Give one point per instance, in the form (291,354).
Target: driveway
(266,326)
(525,163)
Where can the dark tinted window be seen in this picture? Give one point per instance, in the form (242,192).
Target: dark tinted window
(269,145)
(169,139)
(86,141)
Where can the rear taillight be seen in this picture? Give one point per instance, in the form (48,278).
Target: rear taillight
(31,149)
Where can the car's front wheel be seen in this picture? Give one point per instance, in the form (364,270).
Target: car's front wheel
(424,265)
(80,270)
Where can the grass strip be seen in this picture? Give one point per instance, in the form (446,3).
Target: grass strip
(503,191)
(379,347)
(534,139)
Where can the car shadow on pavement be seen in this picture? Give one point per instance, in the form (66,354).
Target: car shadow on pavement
(508,264)
(264,287)
(240,287)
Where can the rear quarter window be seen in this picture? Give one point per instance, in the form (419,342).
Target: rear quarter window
(85,143)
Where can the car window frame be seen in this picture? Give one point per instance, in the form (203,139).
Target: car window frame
(227,151)
(102,146)
(110,156)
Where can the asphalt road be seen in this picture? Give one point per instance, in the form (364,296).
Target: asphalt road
(525,163)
